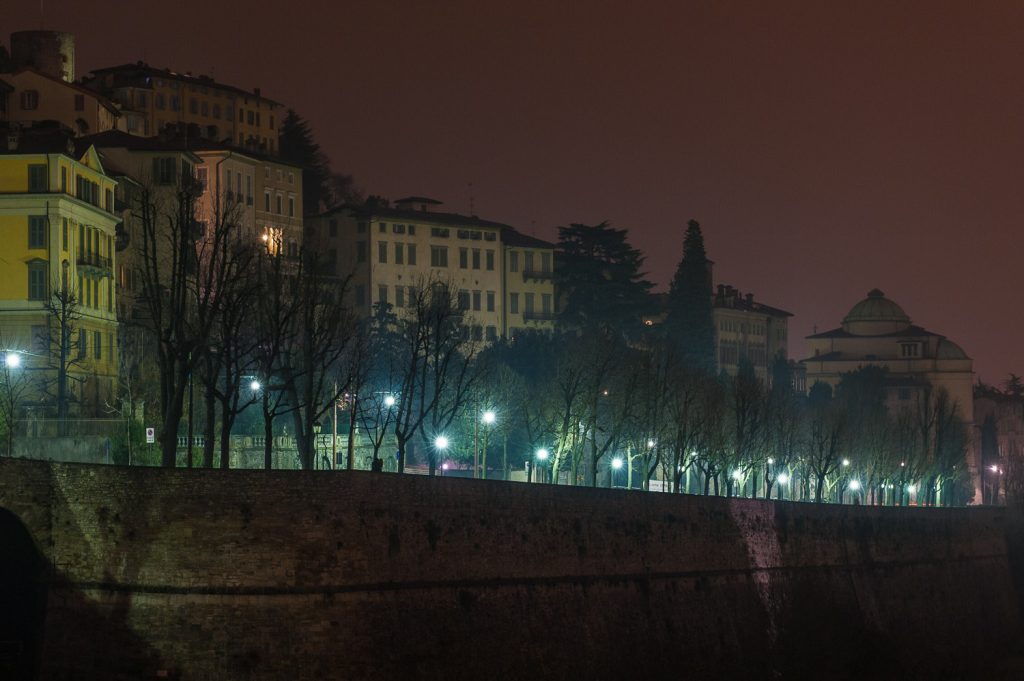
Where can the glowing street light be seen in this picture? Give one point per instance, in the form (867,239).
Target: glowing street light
(911,489)
(770,461)
(737,474)
(617,463)
(993,468)
(854,485)
(650,444)
(783,479)
(255,386)
(389,401)
(12,360)
(543,454)
(489,417)
(441,443)
(846,462)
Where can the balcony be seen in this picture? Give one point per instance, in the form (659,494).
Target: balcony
(94,261)
(535,316)
(538,274)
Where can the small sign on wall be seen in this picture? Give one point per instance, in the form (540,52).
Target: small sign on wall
(150,435)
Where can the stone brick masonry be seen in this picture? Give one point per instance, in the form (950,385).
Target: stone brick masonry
(123,573)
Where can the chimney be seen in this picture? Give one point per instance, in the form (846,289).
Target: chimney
(256,91)
(750,299)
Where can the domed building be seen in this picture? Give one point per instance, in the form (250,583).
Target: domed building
(877,331)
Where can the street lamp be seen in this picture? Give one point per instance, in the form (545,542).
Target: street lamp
(616,466)
(846,462)
(541,455)
(487,418)
(255,386)
(440,443)
(389,401)
(12,360)
(854,485)
(783,479)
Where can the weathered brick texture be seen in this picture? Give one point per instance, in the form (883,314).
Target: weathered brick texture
(198,574)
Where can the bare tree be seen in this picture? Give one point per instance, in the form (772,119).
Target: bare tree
(63,347)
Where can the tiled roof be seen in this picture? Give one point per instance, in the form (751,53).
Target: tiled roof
(511,237)
(447,219)
(909,332)
(143,70)
(103,101)
(116,138)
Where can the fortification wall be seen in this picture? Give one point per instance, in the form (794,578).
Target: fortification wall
(267,575)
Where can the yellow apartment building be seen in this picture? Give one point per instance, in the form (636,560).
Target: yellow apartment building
(391,251)
(529,271)
(29,96)
(748,329)
(151,98)
(57,217)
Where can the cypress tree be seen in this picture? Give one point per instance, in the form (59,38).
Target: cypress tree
(690,323)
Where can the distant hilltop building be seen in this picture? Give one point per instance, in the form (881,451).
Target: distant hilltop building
(49,52)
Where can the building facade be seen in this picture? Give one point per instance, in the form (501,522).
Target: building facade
(152,98)
(746,329)
(58,214)
(32,96)
(391,252)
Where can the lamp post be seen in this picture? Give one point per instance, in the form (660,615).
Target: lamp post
(616,465)
(316,436)
(541,456)
(12,361)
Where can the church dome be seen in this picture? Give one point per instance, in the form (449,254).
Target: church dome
(874,316)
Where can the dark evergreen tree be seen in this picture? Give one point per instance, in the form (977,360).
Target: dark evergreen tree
(599,279)
(299,147)
(689,319)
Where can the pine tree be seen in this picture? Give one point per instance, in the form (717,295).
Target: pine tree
(299,147)
(689,320)
(599,279)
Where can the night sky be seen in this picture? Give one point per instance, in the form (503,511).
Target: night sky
(825,150)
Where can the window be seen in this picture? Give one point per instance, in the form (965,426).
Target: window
(291,206)
(241,115)
(528,303)
(439,256)
(37,281)
(490,236)
(216,110)
(382,294)
(291,175)
(492,334)
(30,100)
(37,231)
(910,349)
(193,106)
(163,171)
(545,262)
(463,258)
(490,301)
(399,296)
(360,295)
(160,103)
(463,300)
(279,200)
(37,177)
(40,339)
(545,303)
(476,258)
(82,344)
(266,200)
(204,108)
(382,228)
(175,103)
(64,179)
(250,117)
(513,261)
(79,102)
(412,230)
(399,254)
(411,302)
(271,122)
(248,190)
(361,227)
(476,301)
(478,333)
(97,344)
(201,177)
(332,228)
(513,303)
(528,261)
(410,251)
(64,234)
(229,112)
(360,251)
(382,251)
(490,261)
(398,229)
(439,232)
